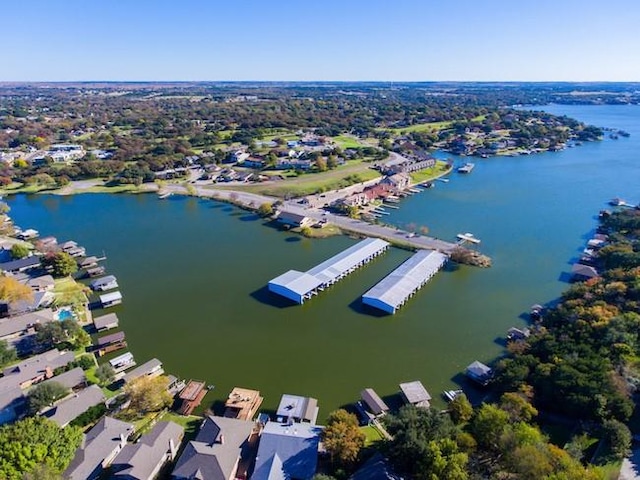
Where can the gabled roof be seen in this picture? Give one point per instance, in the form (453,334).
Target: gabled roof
(37,365)
(287,451)
(415,393)
(43,281)
(584,270)
(109,339)
(373,401)
(105,320)
(376,468)
(298,408)
(76,405)
(27,262)
(140,460)
(215,451)
(69,379)
(101,442)
(144,369)
(13,325)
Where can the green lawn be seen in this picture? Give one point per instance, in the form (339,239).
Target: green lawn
(372,435)
(309,183)
(428,127)
(429,174)
(69,292)
(347,141)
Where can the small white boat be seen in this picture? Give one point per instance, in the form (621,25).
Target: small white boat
(450,395)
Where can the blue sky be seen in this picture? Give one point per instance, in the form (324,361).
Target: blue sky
(392,40)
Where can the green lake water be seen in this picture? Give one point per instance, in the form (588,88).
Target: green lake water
(193,274)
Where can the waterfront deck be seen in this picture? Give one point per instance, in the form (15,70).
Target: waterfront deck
(191,397)
(242,403)
(396,288)
(300,286)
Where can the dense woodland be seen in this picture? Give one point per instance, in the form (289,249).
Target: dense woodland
(151,127)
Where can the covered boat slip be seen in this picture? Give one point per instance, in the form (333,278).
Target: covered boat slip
(300,286)
(394,290)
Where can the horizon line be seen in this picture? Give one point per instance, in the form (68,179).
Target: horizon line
(2,82)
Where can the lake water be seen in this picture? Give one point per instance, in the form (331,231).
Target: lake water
(193,274)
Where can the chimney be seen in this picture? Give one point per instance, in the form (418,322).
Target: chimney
(48,372)
(123,439)
(221,439)
(172,449)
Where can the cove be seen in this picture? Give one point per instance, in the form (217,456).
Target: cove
(193,274)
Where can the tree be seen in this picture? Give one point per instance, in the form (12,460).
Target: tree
(42,472)
(19,251)
(33,442)
(44,394)
(518,408)
(105,374)
(618,437)
(7,353)
(65,331)
(342,437)
(61,264)
(417,445)
(460,409)
(332,161)
(488,425)
(148,394)
(265,209)
(12,290)
(321,164)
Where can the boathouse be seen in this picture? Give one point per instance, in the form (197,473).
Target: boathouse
(582,272)
(300,286)
(242,403)
(415,394)
(394,290)
(375,404)
(111,299)
(106,322)
(479,373)
(105,283)
(110,343)
(294,408)
(152,368)
(122,362)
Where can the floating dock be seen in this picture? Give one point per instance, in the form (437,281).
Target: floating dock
(466,168)
(396,288)
(301,286)
(467,237)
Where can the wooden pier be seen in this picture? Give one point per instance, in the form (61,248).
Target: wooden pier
(191,397)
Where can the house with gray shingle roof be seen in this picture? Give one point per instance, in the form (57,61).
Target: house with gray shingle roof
(216,451)
(287,451)
(70,379)
(152,368)
(14,327)
(144,459)
(37,368)
(99,447)
(106,322)
(72,407)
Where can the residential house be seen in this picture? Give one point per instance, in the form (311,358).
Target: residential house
(375,468)
(71,379)
(98,449)
(21,265)
(415,394)
(217,450)
(254,163)
(21,325)
(27,234)
(65,411)
(287,451)
(43,283)
(38,300)
(293,219)
(144,459)
(297,409)
(38,368)
(106,322)
(152,368)
(398,181)
(12,401)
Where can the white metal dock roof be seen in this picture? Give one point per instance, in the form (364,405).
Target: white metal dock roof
(297,285)
(335,267)
(393,290)
(298,282)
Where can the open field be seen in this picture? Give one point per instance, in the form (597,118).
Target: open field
(69,292)
(428,127)
(347,141)
(354,172)
(441,168)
